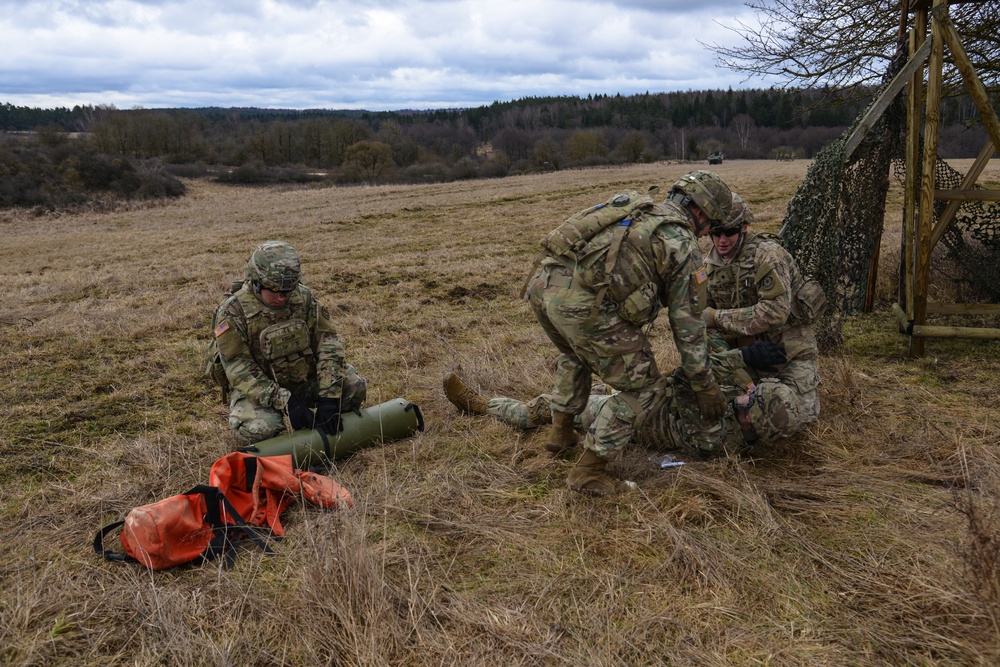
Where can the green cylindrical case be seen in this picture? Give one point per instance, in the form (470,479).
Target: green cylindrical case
(385,422)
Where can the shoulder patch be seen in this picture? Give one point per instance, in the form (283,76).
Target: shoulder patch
(701,275)
(222,328)
(767,283)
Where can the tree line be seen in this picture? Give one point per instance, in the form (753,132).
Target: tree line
(255,145)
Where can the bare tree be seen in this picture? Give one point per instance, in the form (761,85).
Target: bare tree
(743,126)
(815,43)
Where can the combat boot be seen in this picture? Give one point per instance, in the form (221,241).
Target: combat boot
(462,397)
(563,438)
(587,476)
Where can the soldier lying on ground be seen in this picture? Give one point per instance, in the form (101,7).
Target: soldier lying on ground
(673,421)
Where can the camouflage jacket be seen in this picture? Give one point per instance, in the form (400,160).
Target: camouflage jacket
(263,348)
(753,294)
(657,266)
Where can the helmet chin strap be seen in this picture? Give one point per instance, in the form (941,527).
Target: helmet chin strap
(739,242)
(701,228)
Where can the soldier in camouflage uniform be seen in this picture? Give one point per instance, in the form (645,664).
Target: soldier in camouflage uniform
(673,422)
(593,303)
(757,293)
(280,352)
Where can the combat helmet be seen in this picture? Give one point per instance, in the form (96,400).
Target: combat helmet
(274,266)
(705,190)
(739,216)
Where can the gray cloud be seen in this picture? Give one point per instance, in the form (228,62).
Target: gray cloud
(353,54)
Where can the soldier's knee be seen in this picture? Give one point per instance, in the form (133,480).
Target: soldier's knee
(251,424)
(778,412)
(255,431)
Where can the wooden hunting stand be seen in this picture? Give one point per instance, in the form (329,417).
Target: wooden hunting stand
(921,231)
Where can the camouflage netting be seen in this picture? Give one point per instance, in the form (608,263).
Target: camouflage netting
(833,224)
(973,237)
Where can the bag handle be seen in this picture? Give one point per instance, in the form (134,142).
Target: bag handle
(99,544)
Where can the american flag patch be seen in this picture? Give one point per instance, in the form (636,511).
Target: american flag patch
(222,328)
(701,275)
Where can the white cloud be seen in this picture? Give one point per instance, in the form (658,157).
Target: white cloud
(352,54)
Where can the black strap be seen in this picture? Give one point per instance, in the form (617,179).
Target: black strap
(253,533)
(250,467)
(99,544)
(228,528)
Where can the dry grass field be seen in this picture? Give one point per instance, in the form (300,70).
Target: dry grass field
(873,538)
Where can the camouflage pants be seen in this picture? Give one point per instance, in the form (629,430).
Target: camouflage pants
(538,411)
(252,423)
(684,429)
(783,405)
(591,343)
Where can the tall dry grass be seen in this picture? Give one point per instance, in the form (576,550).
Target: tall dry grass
(869,539)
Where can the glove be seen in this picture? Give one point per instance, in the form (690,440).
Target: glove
(709,316)
(764,355)
(711,403)
(298,414)
(328,416)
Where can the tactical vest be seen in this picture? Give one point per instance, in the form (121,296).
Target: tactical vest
(279,339)
(741,284)
(617,263)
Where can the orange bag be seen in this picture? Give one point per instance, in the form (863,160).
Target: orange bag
(199,525)
(261,488)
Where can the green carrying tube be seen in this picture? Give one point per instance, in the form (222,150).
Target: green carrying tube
(385,422)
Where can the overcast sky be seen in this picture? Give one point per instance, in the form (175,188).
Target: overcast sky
(355,54)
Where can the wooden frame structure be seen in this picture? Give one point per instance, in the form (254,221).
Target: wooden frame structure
(921,232)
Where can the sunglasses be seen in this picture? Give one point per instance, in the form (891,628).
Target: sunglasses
(725,232)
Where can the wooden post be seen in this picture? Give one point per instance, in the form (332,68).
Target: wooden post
(972,83)
(932,120)
(915,98)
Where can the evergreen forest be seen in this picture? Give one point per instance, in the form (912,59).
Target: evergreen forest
(62,157)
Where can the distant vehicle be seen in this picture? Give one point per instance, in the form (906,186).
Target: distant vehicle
(715,158)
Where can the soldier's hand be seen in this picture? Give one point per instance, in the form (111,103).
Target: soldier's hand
(298,414)
(764,355)
(711,403)
(328,416)
(709,316)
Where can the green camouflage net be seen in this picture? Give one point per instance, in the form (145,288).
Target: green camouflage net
(833,223)
(972,239)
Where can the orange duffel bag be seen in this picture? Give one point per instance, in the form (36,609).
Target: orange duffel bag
(199,525)
(261,488)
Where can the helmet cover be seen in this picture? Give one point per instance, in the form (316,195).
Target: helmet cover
(739,216)
(275,266)
(708,192)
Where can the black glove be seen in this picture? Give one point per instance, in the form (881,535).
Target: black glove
(328,416)
(711,403)
(764,355)
(298,414)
